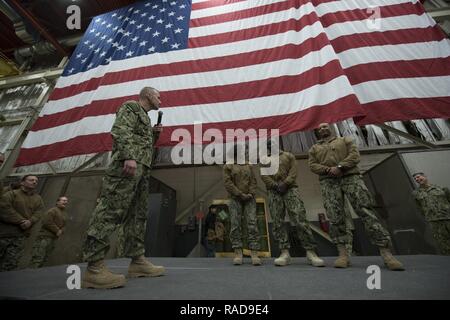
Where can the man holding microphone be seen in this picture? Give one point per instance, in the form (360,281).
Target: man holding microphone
(125,195)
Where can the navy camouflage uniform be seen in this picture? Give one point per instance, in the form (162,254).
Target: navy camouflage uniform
(239,180)
(289,202)
(124,199)
(53,221)
(434,202)
(336,151)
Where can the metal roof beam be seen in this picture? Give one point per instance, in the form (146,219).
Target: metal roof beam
(440,14)
(33,77)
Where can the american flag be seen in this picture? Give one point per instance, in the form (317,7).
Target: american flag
(262,64)
(400,70)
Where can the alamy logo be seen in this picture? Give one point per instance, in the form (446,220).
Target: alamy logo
(74,20)
(74,280)
(374,21)
(374,280)
(236,146)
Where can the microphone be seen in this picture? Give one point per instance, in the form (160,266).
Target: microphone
(160,114)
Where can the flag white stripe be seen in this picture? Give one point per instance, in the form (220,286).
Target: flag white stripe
(348,5)
(386,24)
(247,23)
(399,52)
(85,126)
(321,9)
(230,7)
(388,89)
(209,113)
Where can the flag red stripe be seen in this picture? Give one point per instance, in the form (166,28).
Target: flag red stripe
(398,69)
(394,10)
(86,144)
(96,108)
(254,89)
(405,36)
(234,92)
(405,109)
(319,2)
(253,33)
(212,4)
(327,19)
(244,14)
(337,110)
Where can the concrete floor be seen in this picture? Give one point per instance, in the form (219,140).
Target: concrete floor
(426,277)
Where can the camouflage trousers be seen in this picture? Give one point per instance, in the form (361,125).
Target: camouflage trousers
(353,187)
(441,234)
(243,209)
(293,204)
(11,250)
(124,201)
(42,248)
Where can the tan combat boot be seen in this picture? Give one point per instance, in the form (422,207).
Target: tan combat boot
(313,259)
(98,276)
(237,257)
(256,261)
(343,261)
(284,258)
(141,267)
(390,261)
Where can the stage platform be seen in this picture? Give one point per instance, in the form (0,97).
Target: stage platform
(426,277)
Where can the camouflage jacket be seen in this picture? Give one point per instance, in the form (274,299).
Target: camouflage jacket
(132,134)
(53,221)
(434,202)
(333,152)
(16,206)
(239,179)
(287,172)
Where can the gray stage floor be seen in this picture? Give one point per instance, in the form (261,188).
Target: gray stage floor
(426,277)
